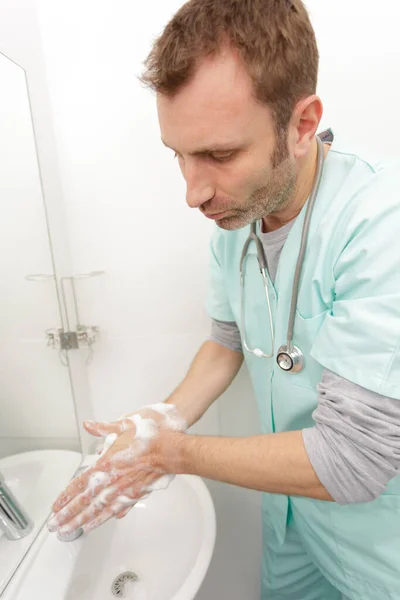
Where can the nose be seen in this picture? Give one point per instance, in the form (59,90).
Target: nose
(199,188)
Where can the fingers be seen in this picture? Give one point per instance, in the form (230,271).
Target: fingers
(105,515)
(100,429)
(119,501)
(114,479)
(87,506)
(111,511)
(77,485)
(80,510)
(108,442)
(111,466)
(118,509)
(110,431)
(92,511)
(84,487)
(123,513)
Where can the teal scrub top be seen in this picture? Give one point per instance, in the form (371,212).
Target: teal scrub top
(348,308)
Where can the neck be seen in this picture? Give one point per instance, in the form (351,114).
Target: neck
(304,186)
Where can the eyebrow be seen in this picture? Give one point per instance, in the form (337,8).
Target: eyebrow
(210,149)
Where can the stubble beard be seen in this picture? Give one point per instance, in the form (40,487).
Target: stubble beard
(272,198)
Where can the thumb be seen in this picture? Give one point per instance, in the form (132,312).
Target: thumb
(103,429)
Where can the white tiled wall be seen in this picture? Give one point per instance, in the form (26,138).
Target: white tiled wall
(35,392)
(139,370)
(35,395)
(125,206)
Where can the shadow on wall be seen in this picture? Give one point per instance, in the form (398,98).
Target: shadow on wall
(237,555)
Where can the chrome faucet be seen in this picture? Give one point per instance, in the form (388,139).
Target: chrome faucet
(14,522)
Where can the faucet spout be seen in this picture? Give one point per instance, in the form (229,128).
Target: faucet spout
(14,521)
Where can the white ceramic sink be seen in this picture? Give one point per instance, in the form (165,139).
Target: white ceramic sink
(166,541)
(35,478)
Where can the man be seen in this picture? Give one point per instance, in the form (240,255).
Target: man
(236,83)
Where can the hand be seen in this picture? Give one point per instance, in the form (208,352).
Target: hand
(130,463)
(164,416)
(119,479)
(142,423)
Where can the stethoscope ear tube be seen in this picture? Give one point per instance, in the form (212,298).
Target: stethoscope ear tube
(289,357)
(304,239)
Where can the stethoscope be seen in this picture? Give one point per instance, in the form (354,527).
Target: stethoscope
(289,357)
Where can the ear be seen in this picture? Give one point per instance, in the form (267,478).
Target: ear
(304,124)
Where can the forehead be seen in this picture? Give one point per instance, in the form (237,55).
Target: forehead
(217,105)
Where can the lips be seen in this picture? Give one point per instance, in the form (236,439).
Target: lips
(215,215)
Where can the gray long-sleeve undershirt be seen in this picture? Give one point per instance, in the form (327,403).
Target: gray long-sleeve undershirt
(354,446)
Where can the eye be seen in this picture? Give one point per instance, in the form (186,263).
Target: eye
(221,156)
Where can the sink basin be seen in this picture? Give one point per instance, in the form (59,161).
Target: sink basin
(160,551)
(35,478)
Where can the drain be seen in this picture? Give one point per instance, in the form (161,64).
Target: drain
(123,581)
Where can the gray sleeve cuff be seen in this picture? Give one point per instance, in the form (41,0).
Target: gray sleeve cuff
(354,447)
(226,334)
(327,462)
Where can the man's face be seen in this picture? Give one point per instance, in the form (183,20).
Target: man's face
(235,170)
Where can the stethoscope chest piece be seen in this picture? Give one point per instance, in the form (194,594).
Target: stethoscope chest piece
(290,359)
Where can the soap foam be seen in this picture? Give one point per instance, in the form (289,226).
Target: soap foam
(172,418)
(96,479)
(146,430)
(126,501)
(126,456)
(160,484)
(102,498)
(108,442)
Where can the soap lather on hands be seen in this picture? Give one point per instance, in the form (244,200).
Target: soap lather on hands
(129,467)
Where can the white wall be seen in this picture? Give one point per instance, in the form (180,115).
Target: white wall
(124,206)
(127,215)
(36,408)
(359,81)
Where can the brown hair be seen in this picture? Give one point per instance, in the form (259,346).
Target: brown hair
(275,39)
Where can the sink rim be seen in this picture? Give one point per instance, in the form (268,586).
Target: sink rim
(23,551)
(189,587)
(192,584)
